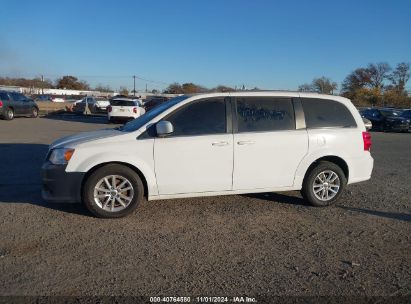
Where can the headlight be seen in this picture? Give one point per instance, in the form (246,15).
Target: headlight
(60,156)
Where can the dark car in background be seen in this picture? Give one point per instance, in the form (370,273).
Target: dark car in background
(407,114)
(387,119)
(154,102)
(13,104)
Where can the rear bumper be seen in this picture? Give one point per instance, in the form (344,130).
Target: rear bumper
(121,117)
(59,186)
(361,168)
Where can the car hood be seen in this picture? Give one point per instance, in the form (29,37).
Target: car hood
(84,137)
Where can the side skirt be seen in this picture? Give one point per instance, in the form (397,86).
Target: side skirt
(217,193)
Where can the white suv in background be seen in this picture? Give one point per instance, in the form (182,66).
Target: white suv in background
(121,109)
(214,144)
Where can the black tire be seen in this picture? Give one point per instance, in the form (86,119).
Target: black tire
(108,170)
(34,112)
(9,114)
(310,178)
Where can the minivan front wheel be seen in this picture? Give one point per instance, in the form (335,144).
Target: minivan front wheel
(113,191)
(324,184)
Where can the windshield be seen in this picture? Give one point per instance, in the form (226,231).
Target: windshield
(143,119)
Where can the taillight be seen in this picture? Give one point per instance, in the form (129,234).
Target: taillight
(1,104)
(366,137)
(109,108)
(135,110)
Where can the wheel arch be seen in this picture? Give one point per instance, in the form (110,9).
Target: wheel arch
(98,166)
(332,159)
(309,162)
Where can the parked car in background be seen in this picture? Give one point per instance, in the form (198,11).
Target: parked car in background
(407,114)
(153,102)
(123,109)
(41,97)
(94,104)
(57,99)
(80,105)
(13,104)
(386,120)
(367,123)
(214,144)
(101,105)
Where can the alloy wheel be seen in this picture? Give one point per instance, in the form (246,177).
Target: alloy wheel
(113,193)
(326,185)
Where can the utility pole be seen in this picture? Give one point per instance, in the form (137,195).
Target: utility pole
(134,90)
(42,85)
(146,87)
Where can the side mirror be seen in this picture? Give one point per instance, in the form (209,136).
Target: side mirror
(164,128)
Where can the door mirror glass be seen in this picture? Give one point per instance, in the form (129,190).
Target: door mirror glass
(164,128)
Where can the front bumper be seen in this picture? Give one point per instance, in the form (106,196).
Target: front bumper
(59,186)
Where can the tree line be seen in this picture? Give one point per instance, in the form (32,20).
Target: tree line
(377,84)
(65,82)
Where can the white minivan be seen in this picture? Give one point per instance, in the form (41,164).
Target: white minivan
(214,144)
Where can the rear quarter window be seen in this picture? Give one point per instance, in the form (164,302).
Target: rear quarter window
(325,113)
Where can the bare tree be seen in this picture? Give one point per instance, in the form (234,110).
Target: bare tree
(378,73)
(71,83)
(322,85)
(400,76)
(306,87)
(124,91)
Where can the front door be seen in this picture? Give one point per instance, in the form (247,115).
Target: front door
(198,156)
(18,103)
(267,146)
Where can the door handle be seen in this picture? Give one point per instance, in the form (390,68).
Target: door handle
(245,142)
(220,143)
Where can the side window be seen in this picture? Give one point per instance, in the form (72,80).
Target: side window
(256,114)
(17,96)
(323,113)
(200,118)
(4,96)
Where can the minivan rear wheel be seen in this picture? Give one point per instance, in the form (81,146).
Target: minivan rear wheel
(324,184)
(113,191)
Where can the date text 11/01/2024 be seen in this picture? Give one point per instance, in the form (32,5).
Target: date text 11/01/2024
(240,299)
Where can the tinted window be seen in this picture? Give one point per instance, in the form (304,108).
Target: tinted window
(265,114)
(18,96)
(199,118)
(323,113)
(123,102)
(4,96)
(406,113)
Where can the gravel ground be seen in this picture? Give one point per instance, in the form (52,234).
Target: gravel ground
(271,244)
